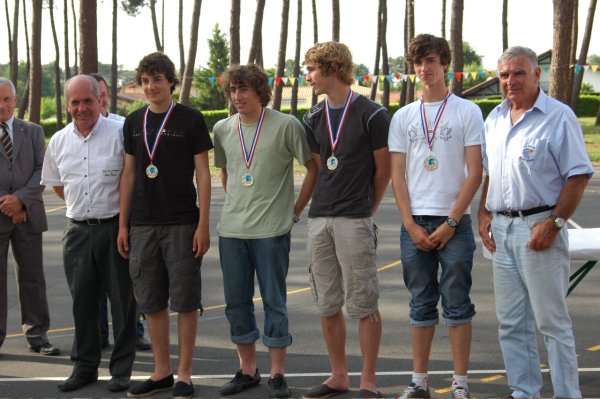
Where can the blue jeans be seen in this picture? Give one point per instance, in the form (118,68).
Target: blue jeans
(269,258)
(420,270)
(531,288)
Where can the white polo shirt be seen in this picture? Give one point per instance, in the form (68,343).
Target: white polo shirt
(89,168)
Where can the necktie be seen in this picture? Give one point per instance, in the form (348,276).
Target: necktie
(6,141)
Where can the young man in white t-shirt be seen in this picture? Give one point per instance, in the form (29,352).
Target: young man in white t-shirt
(436,170)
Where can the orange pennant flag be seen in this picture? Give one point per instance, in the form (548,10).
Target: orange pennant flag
(277,81)
(458,75)
(218,79)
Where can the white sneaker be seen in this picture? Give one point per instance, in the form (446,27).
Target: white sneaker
(413,390)
(460,393)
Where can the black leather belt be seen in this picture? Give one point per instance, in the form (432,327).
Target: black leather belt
(513,214)
(96,221)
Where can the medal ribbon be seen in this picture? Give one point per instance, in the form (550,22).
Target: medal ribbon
(335,141)
(158,134)
(248,157)
(436,120)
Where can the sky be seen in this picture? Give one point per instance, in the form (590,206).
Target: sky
(529,24)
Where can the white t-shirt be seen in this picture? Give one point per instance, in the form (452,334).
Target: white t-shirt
(460,125)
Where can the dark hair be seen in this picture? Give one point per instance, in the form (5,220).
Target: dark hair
(156,63)
(99,78)
(251,75)
(424,44)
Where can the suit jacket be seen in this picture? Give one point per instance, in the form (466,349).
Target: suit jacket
(22,177)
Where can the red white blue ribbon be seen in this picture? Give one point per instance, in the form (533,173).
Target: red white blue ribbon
(334,139)
(158,133)
(249,156)
(436,120)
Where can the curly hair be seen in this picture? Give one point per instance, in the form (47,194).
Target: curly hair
(251,75)
(332,58)
(424,44)
(154,63)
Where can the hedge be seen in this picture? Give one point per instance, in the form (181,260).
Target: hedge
(587,106)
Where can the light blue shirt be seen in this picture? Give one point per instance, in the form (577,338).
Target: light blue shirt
(529,163)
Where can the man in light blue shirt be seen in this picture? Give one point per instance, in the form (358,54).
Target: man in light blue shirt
(537,170)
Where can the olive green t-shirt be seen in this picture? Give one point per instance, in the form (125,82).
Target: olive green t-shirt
(265,208)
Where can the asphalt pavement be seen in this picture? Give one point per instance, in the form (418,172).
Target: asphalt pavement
(26,374)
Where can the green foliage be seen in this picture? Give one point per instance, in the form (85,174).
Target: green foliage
(586,88)
(362,70)
(49,126)
(396,64)
(594,59)
(133,7)
(47,107)
(470,56)
(211,96)
(487,105)
(587,105)
(213,116)
(125,109)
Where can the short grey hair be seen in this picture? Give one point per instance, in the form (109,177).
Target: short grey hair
(91,79)
(5,82)
(518,51)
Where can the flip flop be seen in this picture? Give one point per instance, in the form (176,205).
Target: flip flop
(365,393)
(323,391)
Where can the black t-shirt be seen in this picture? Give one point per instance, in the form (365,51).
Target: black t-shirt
(170,198)
(347,190)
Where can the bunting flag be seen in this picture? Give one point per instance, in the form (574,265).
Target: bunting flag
(404,77)
(300,80)
(578,69)
(360,78)
(366,78)
(474,75)
(595,68)
(212,79)
(482,74)
(285,80)
(277,81)
(292,80)
(450,75)
(458,75)
(389,78)
(219,80)
(398,76)
(412,77)
(270,80)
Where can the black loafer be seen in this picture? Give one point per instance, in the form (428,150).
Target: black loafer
(149,387)
(183,390)
(118,384)
(142,344)
(76,381)
(46,349)
(240,382)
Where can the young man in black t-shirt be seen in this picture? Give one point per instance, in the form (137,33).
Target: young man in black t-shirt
(348,137)
(165,145)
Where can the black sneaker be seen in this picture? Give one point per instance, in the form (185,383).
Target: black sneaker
(149,387)
(413,390)
(240,382)
(183,390)
(279,388)
(46,349)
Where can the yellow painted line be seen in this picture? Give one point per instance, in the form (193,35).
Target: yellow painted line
(56,209)
(215,307)
(594,348)
(492,378)
(443,390)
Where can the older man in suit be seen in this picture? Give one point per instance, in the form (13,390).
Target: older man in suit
(22,221)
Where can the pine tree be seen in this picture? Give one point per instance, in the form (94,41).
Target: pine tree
(211,96)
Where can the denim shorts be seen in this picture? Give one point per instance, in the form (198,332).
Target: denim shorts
(342,253)
(269,259)
(420,270)
(163,268)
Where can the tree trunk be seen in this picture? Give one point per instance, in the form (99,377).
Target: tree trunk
(23,106)
(234,39)
(186,85)
(335,34)
(585,45)
(504,24)
(162,25)
(456,42)
(285,13)
(180,36)
(58,94)
(114,66)
(66,47)
(385,67)
(559,71)
(294,103)
(234,32)
(410,34)
(444,19)
(88,43)
(255,46)
(75,46)
(14,51)
(8,31)
(573,51)
(159,45)
(374,82)
(314,98)
(35,71)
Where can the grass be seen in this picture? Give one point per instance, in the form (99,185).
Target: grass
(591,136)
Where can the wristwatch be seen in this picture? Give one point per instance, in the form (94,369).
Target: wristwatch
(295,218)
(559,222)
(452,222)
